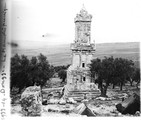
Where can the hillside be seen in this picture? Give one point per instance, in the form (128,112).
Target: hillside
(61,54)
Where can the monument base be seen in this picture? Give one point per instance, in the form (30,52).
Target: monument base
(81,91)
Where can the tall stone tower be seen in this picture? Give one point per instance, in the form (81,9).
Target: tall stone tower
(78,74)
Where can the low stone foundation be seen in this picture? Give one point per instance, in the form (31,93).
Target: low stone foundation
(82,86)
(80,91)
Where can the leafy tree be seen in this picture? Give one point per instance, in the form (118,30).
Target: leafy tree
(130,71)
(58,68)
(52,70)
(44,72)
(130,75)
(103,69)
(123,69)
(62,74)
(136,76)
(110,70)
(15,70)
(33,76)
(19,72)
(25,72)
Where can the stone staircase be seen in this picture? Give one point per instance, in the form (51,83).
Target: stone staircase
(79,95)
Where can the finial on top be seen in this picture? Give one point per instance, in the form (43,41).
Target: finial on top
(83,15)
(83,7)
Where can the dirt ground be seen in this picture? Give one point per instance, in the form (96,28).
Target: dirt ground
(98,106)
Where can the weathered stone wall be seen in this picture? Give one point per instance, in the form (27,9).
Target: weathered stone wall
(31,101)
(76,60)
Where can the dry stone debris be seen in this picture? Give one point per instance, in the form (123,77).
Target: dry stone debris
(83,109)
(130,105)
(31,101)
(62,101)
(71,100)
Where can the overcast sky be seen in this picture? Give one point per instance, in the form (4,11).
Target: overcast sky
(113,21)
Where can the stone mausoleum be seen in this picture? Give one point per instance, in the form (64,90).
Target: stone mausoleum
(78,74)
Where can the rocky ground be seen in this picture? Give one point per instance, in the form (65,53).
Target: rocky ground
(100,106)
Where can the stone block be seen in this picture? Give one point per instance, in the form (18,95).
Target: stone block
(130,105)
(83,109)
(71,100)
(31,101)
(62,101)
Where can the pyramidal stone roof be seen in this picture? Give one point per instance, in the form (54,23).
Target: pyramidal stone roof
(83,16)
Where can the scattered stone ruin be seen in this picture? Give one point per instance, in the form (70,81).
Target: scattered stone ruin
(31,101)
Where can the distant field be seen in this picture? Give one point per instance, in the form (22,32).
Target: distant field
(61,54)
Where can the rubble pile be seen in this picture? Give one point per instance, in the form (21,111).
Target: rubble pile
(115,104)
(83,109)
(61,101)
(31,101)
(130,105)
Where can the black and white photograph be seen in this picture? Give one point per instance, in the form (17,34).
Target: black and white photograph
(70,58)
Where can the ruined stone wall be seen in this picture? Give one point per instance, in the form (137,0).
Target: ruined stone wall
(31,101)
